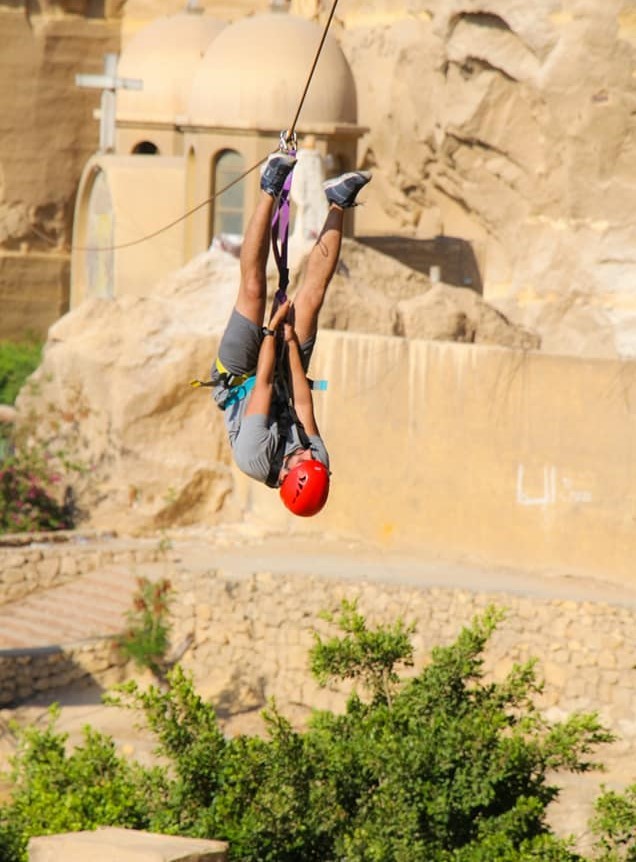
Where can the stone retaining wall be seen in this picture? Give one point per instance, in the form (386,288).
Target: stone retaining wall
(252,637)
(25,672)
(31,562)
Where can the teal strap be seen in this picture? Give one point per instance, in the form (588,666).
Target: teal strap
(238,393)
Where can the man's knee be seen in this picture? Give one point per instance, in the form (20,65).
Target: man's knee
(253,288)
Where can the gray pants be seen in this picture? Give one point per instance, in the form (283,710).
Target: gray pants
(241,343)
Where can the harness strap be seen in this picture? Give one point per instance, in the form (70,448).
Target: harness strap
(280,226)
(286,415)
(225,377)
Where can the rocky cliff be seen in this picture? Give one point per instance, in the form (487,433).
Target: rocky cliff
(510,126)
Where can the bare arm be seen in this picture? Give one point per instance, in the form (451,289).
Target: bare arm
(260,398)
(301,391)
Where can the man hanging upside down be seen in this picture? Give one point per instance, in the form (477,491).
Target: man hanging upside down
(271,443)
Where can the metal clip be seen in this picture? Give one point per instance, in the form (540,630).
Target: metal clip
(287,142)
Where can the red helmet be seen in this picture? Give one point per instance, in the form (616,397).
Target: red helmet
(305,488)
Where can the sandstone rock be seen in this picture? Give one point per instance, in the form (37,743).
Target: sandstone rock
(511,126)
(112,390)
(457,314)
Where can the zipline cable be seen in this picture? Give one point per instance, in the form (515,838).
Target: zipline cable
(289,135)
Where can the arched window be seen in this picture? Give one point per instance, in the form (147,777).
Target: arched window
(146,148)
(228,208)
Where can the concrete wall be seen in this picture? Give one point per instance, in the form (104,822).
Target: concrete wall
(463,450)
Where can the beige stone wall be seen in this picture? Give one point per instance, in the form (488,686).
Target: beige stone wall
(251,633)
(30,563)
(47,132)
(26,672)
(34,291)
(252,636)
(462,450)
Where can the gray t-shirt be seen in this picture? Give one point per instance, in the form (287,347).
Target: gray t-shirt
(254,440)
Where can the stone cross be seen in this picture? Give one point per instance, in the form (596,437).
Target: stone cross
(109,83)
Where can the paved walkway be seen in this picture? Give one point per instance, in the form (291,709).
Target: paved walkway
(95,604)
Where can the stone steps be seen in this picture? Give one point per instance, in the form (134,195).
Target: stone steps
(90,606)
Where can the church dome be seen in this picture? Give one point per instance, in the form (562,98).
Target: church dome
(165,55)
(254,73)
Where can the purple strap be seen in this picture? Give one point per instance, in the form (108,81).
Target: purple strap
(280,237)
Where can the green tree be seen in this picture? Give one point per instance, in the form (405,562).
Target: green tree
(443,766)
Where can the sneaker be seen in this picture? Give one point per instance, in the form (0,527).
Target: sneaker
(275,172)
(342,190)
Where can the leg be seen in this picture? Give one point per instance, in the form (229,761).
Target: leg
(341,193)
(321,266)
(251,297)
(253,287)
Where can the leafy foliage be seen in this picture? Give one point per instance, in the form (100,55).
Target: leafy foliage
(368,656)
(444,766)
(17,362)
(615,826)
(29,496)
(146,638)
(35,469)
(54,791)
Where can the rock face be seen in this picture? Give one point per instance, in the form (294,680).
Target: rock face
(506,124)
(112,391)
(511,125)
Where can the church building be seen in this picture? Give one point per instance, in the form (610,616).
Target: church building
(196,103)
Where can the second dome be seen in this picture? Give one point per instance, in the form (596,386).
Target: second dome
(254,73)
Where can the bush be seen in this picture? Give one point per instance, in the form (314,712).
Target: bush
(17,362)
(615,826)
(54,791)
(30,495)
(442,767)
(147,635)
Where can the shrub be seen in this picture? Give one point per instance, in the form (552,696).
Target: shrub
(146,638)
(615,826)
(54,791)
(442,767)
(17,362)
(30,497)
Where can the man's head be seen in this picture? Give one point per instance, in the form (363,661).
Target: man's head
(304,484)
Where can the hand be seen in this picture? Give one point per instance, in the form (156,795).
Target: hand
(289,332)
(279,315)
